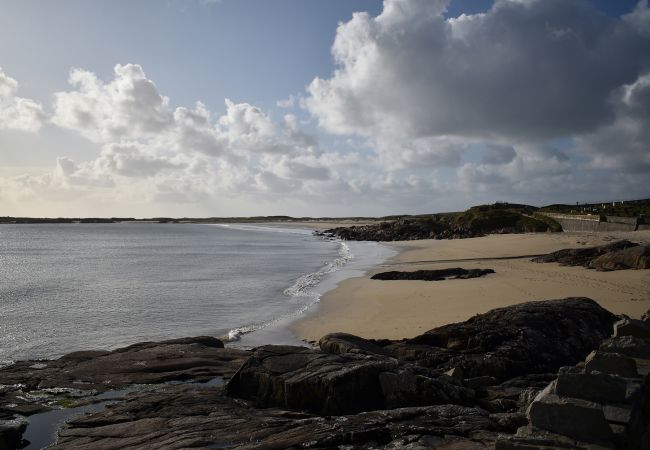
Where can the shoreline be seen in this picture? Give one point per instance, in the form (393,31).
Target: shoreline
(404,308)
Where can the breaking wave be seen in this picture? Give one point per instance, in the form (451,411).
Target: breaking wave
(300,292)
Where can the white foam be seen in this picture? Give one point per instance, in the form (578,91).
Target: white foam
(301,292)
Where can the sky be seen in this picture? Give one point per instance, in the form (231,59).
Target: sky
(200,108)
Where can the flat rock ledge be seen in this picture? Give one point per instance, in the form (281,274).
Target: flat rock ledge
(507,379)
(456,273)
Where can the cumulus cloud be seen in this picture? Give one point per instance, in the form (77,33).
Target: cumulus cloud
(532,71)
(129,106)
(18,113)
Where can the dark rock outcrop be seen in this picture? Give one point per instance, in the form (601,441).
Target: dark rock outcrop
(456,273)
(328,384)
(629,258)
(185,417)
(614,256)
(199,359)
(533,337)
(437,227)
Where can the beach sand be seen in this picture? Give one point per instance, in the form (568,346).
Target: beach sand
(403,309)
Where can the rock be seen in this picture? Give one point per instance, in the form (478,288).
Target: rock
(533,337)
(480,382)
(406,388)
(198,359)
(611,363)
(433,275)
(595,387)
(617,414)
(627,345)
(632,327)
(638,429)
(637,257)
(456,373)
(509,421)
(309,380)
(531,438)
(186,417)
(339,343)
(646,317)
(11,432)
(583,256)
(578,419)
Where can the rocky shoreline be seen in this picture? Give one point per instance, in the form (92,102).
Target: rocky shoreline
(533,375)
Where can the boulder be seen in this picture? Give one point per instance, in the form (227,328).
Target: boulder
(309,380)
(629,258)
(611,363)
(632,327)
(575,418)
(339,343)
(627,345)
(595,387)
(583,256)
(533,337)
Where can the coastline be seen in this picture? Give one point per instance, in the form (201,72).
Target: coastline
(404,309)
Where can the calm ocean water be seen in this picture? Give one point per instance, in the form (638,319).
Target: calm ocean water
(82,286)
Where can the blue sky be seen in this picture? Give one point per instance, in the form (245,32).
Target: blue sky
(406,108)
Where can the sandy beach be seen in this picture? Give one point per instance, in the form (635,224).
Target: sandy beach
(403,309)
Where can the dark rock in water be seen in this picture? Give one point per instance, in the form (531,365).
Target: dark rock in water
(198,359)
(629,258)
(534,337)
(585,256)
(309,380)
(433,275)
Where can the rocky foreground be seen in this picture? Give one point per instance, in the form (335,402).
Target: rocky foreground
(550,374)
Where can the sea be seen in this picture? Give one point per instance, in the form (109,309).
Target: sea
(69,287)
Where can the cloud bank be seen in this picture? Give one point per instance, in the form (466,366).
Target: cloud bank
(537,101)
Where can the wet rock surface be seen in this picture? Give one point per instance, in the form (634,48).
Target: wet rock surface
(619,255)
(34,387)
(456,273)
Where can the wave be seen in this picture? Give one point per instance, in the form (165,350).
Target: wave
(302,288)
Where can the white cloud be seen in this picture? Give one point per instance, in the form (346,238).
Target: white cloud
(531,71)
(18,113)
(128,107)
